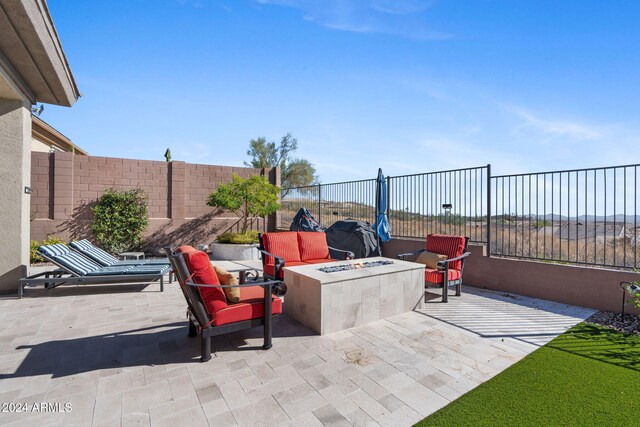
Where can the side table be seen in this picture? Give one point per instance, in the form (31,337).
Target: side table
(131,255)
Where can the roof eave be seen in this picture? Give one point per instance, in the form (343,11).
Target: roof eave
(31,49)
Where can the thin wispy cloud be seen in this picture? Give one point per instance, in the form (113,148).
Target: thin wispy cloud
(490,109)
(426,87)
(468,153)
(554,128)
(197,152)
(400,7)
(335,167)
(193,3)
(402,167)
(403,18)
(479,124)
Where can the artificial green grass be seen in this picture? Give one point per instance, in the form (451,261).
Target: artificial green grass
(588,376)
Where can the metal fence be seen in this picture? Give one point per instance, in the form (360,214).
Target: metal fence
(329,203)
(448,202)
(578,216)
(452,202)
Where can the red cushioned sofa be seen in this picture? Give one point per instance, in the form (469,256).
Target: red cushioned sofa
(293,248)
(209,312)
(449,271)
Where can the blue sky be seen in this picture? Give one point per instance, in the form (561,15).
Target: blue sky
(409,86)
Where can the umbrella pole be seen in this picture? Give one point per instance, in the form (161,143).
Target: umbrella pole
(378,185)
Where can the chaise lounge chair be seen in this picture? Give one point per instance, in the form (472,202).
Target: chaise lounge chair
(105,259)
(76,269)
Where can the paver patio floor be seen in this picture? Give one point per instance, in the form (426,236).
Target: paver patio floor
(124,358)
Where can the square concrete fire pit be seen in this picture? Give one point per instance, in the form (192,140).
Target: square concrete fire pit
(332,301)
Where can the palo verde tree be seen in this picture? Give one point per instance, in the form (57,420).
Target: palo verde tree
(119,219)
(249,198)
(294,172)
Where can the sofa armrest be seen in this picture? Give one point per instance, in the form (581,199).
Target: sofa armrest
(414,253)
(279,261)
(348,254)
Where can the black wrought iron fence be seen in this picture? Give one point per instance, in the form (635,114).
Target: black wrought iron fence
(453,202)
(329,203)
(578,216)
(448,202)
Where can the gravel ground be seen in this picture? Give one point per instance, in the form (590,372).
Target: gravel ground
(631,324)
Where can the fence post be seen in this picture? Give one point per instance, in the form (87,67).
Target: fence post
(274,176)
(63,203)
(489,210)
(320,204)
(177,193)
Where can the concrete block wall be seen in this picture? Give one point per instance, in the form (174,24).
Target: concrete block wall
(65,186)
(204,177)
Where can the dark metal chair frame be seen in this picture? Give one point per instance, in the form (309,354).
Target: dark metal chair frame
(280,262)
(444,266)
(199,321)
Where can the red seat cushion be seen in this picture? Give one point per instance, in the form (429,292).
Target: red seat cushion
(437,276)
(203,274)
(451,246)
(313,245)
(319,261)
(251,306)
(284,245)
(269,269)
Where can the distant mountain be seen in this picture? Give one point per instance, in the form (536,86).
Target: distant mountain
(610,218)
(619,218)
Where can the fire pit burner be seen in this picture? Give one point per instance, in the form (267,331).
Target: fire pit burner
(354,266)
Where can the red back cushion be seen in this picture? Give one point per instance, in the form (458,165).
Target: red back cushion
(185,248)
(451,246)
(313,245)
(284,245)
(204,274)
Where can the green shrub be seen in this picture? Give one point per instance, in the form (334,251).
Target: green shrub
(119,219)
(245,238)
(34,258)
(635,297)
(249,198)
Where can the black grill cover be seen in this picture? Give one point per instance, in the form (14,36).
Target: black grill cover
(355,236)
(304,221)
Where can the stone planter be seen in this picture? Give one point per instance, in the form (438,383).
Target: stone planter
(234,252)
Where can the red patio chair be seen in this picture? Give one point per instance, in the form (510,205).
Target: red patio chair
(447,272)
(208,310)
